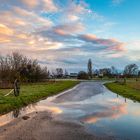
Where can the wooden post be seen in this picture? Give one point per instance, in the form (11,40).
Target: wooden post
(16,87)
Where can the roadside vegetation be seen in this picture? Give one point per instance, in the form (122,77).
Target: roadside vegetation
(31,93)
(130,89)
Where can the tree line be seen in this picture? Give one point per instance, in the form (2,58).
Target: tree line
(130,71)
(16,65)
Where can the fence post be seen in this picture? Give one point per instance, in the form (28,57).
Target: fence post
(16,87)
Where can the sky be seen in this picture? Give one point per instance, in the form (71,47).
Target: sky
(66,33)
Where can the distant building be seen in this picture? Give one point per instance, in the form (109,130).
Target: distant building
(73,75)
(101,75)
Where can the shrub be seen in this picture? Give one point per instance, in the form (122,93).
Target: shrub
(82,75)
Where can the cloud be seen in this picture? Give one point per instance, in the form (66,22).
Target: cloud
(69,28)
(22,13)
(79,8)
(5,30)
(49,6)
(88,37)
(5,33)
(30,3)
(4,39)
(110,44)
(33,5)
(117,2)
(78,11)
(64,33)
(72,17)
(56,33)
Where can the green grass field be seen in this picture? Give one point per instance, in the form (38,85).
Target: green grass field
(129,90)
(32,93)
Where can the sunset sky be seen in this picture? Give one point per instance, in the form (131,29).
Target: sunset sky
(66,33)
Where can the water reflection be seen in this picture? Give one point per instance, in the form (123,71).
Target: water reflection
(125,100)
(16,113)
(112,109)
(122,97)
(36,108)
(4,119)
(112,112)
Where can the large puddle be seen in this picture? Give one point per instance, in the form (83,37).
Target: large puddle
(105,114)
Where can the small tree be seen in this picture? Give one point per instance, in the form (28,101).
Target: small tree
(131,70)
(59,72)
(89,68)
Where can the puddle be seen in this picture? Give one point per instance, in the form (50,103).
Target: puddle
(102,114)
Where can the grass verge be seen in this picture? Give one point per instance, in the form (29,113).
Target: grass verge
(130,90)
(32,93)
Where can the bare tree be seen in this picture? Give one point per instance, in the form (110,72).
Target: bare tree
(131,70)
(15,66)
(105,72)
(59,72)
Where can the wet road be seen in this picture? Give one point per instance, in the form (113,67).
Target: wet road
(88,111)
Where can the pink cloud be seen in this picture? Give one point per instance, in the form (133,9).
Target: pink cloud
(72,17)
(5,30)
(110,44)
(68,29)
(49,6)
(118,47)
(30,3)
(89,37)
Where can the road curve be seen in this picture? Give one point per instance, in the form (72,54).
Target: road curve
(42,125)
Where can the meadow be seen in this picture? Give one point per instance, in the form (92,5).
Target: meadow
(130,89)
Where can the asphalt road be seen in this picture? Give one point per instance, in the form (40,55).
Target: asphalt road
(82,92)
(43,125)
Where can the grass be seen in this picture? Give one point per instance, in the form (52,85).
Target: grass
(31,93)
(129,90)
